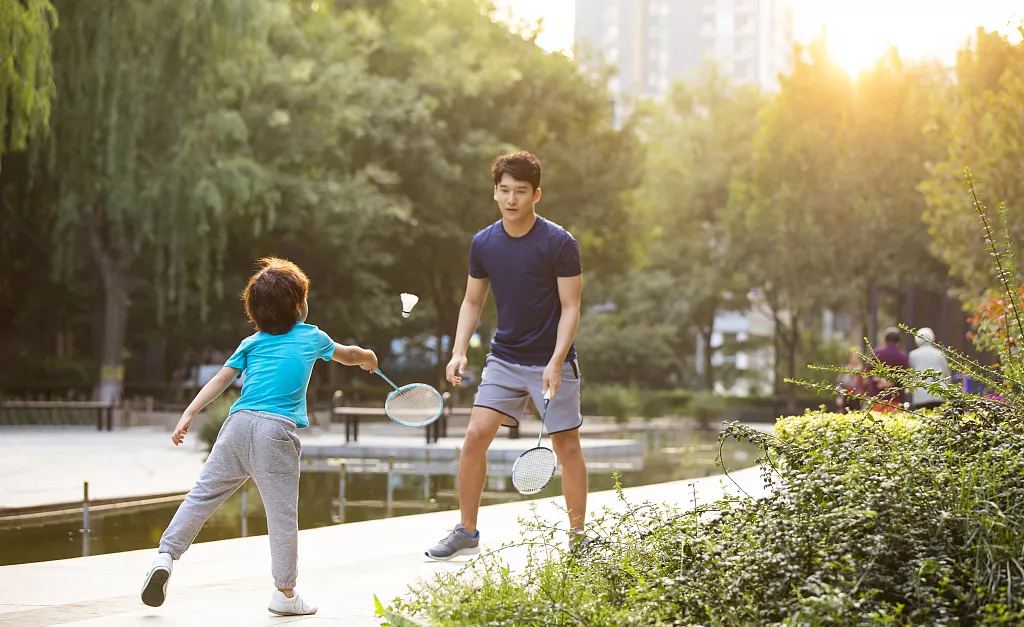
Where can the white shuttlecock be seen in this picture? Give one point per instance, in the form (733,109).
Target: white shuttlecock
(408,302)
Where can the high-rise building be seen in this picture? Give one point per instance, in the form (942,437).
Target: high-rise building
(654,43)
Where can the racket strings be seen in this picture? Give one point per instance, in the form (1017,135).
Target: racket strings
(533,470)
(414,405)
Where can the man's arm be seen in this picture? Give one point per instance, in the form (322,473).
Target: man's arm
(570,292)
(469,317)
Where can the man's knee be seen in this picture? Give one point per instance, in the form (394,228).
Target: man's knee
(483,426)
(567,445)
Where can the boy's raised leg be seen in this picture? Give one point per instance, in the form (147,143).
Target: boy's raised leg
(225,471)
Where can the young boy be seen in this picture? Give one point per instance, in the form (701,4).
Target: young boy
(258,439)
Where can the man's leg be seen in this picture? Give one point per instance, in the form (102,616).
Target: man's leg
(483,426)
(563,421)
(500,399)
(575,483)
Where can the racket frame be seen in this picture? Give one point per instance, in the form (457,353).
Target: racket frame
(398,390)
(540,436)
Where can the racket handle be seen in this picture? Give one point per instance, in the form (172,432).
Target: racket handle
(547,395)
(381,375)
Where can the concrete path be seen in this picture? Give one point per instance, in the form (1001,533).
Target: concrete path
(40,466)
(43,466)
(341,568)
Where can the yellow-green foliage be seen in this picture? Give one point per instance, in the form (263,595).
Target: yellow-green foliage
(26,71)
(820,429)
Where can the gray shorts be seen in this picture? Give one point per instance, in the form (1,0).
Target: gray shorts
(505,388)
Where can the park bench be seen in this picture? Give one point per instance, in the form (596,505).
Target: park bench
(352,415)
(58,413)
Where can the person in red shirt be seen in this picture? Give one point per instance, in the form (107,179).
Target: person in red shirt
(888,396)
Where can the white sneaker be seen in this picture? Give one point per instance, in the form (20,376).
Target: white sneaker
(283,606)
(154,591)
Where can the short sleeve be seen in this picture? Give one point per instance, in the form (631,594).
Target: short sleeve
(567,263)
(476,267)
(325,345)
(237,359)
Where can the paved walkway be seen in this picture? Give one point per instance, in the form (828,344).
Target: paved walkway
(341,568)
(44,466)
(40,466)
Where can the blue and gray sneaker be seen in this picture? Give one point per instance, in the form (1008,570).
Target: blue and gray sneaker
(458,542)
(579,541)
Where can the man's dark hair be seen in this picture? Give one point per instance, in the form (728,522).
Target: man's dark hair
(522,166)
(273,295)
(892,335)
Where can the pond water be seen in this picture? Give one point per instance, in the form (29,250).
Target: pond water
(668,456)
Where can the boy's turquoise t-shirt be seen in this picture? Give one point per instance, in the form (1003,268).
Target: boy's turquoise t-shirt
(277,370)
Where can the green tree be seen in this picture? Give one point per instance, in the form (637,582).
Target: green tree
(697,142)
(150,153)
(884,239)
(26,71)
(981,128)
(635,338)
(481,91)
(789,207)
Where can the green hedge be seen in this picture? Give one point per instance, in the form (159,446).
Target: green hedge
(622,403)
(873,520)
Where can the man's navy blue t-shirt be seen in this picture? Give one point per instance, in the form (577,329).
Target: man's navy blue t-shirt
(524,275)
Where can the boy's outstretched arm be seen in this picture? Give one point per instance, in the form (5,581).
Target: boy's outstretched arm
(214,388)
(355,356)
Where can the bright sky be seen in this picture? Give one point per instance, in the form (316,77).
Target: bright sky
(858,31)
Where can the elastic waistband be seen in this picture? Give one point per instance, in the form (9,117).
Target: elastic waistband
(265,415)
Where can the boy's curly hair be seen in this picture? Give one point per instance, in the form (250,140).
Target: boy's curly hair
(274,294)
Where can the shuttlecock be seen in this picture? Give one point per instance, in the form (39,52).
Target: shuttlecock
(408,302)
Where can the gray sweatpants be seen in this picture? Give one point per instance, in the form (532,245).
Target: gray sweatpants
(250,444)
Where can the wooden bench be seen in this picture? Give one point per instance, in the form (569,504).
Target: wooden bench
(351,415)
(58,413)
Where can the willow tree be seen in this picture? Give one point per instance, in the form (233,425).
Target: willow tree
(26,71)
(149,152)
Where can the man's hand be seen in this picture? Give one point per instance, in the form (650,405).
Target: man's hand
(552,378)
(456,367)
(369,362)
(182,428)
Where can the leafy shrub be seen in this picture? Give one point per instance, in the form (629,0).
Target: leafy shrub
(616,401)
(873,519)
(602,400)
(706,408)
(214,416)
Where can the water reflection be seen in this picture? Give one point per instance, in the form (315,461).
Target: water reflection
(344,490)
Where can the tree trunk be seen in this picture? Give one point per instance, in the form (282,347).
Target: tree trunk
(114,273)
(776,352)
(115,322)
(793,340)
(708,382)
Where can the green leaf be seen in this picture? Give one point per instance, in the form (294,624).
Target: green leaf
(394,619)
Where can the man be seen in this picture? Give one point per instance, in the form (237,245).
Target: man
(533,266)
(927,357)
(888,396)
